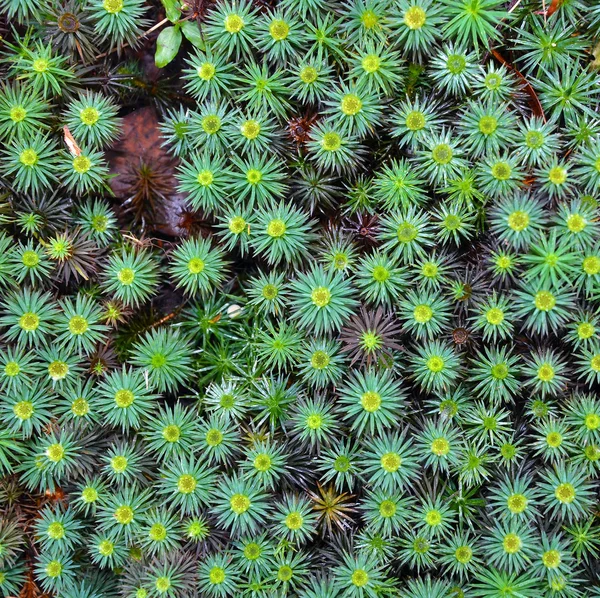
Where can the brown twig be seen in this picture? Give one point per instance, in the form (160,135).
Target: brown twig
(536,105)
(146,33)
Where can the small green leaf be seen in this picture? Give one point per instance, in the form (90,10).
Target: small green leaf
(172,10)
(167,46)
(192,32)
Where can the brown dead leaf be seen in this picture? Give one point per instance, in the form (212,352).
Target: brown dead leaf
(71,143)
(554,6)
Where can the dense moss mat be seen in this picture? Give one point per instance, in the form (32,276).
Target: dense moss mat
(299,299)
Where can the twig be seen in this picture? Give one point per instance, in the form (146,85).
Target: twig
(153,28)
(515,5)
(536,106)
